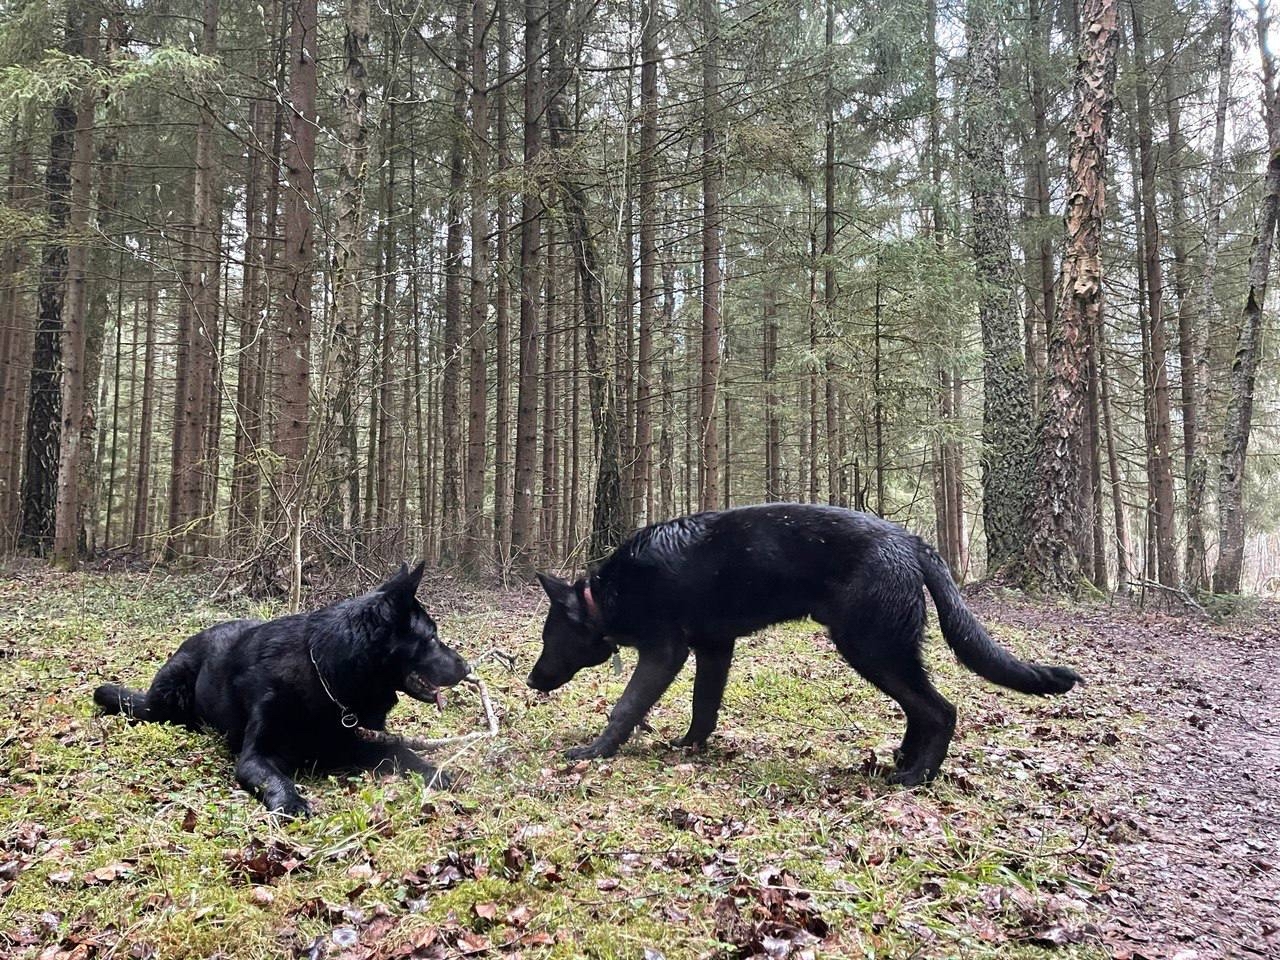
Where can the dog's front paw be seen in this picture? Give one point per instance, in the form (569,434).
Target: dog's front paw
(438,779)
(590,751)
(690,742)
(910,777)
(290,805)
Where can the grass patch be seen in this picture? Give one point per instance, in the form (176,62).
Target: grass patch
(133,840)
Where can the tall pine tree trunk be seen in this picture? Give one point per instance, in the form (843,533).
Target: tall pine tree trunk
(608,522)
(15,342)
(1248,351)
(772,426)
(197,331)
(1006,414)
(348,251)
(475,545)
(642,474)
(1160,441)
(142,490)
(66,537)
(1197,570)
(530,222)
(452,494)
(44,398)
(708,435)
(502,315)
(293,347)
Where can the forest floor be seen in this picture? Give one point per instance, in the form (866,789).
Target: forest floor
(1138,816)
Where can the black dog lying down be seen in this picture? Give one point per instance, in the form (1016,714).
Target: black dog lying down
(291,693)
(701,582)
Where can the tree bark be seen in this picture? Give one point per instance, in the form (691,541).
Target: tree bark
(502,316)
(608,523)
(1161,439)
(44,399)
(476,550)
(1206,311)
(197,332)
(550,503)
(293,346)
(709,441)
(530,215)
(1124,542)
(346,262)
(15,342)
(642,474)
(142,492)
(772,427)
(66,537)
(1051,561)
(451,505)
(1244,365)
(1007,411)
(666,440)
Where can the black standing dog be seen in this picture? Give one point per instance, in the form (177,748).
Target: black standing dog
(290,693)
(700,582)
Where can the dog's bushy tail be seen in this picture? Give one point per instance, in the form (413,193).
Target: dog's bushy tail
(973,645)
(113,698)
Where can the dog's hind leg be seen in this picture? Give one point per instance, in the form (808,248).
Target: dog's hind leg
(712,665)
(888,655)
(657,667)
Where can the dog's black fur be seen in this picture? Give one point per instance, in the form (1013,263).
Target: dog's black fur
(287,694)
(700,582)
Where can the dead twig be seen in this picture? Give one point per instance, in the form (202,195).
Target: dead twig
(1178,592)
(435,743)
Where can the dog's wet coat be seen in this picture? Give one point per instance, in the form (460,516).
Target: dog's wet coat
(700,582)
(289,693)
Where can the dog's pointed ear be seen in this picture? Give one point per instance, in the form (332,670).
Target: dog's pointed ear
(565,595)
(403,585)
(415,575)
(560,591)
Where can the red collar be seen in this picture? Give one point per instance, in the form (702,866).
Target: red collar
(593,611)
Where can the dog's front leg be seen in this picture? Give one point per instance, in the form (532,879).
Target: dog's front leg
(657,667)
(261,775)
(259,772)
(388,758)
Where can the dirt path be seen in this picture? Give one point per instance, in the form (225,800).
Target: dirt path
(1196,827)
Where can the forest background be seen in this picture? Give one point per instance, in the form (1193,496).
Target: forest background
(303,285)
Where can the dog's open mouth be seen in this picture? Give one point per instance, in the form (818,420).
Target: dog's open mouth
(420,688)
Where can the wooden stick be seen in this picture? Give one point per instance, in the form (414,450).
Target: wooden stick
(422,743)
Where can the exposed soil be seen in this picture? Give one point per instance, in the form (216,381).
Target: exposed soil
(1196,826)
